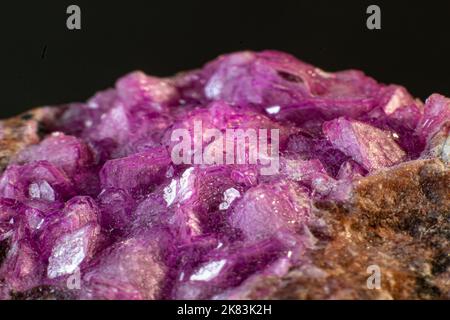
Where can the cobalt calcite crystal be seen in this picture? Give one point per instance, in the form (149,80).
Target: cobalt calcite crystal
(94,206)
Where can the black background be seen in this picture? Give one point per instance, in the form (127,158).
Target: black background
(43,63)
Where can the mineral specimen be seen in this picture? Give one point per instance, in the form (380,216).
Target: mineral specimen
(94,206)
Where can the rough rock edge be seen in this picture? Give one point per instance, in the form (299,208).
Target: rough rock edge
(398,219)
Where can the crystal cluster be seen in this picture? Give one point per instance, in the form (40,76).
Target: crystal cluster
(99,198)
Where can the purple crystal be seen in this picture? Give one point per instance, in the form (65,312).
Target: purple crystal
(8,211)
(436,113)
(226,267)
(369,146)
(62,228)
(65,152)
(317,149)
(23,268)
(272,78)
(145,92)
(36,180)
(268,209)
(117,208)
(137,173)
(72,249)
(133,268)
(349,170)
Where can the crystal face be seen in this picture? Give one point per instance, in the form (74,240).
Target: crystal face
(100,198)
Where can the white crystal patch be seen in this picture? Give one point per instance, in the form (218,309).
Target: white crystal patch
(273,109)
(208,271)
(170,192)
(228,197)
(67,254)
